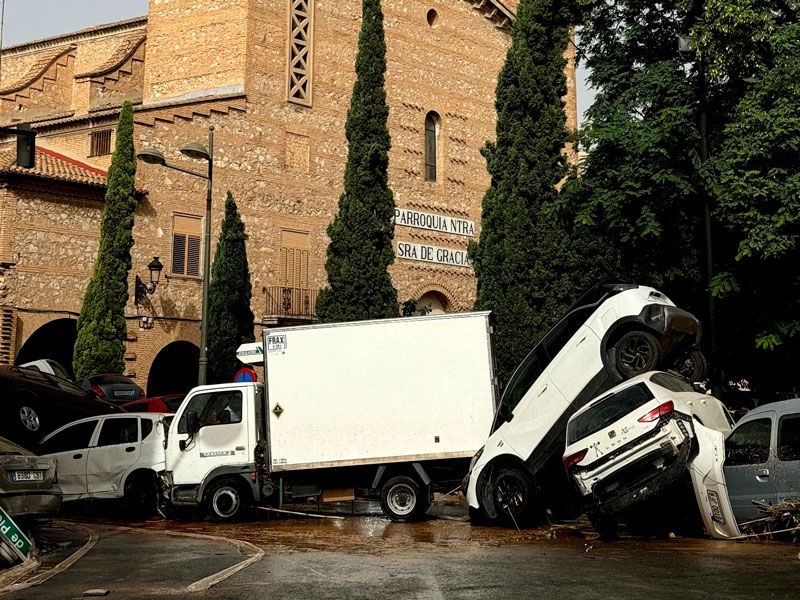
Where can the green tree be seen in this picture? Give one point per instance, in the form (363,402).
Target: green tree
(640,193)
(360,250)
(523,260)
(100,345)
(230,318)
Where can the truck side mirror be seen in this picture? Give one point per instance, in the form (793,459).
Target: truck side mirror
(192,422)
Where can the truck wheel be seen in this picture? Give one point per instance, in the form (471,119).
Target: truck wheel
(225,501)
(402,499)
(512,492)
(636,352)
(142,495)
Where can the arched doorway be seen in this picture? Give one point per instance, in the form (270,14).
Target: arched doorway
(174,370)
(54,340)
(435,302)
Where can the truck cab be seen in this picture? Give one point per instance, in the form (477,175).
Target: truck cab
(212,447)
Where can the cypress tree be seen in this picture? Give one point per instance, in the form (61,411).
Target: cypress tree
(360,250)
(230,318)
(522,259)
(100,345)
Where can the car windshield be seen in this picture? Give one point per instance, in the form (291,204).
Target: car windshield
(99,379)
(607,410)
(58,369)
(551,344)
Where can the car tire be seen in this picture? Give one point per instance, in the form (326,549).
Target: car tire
(513,495)
(692,367)
(636,352)
(403,499)
(142,495)
(607,526)
(225,501)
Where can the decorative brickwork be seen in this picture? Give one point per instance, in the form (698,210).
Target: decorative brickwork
(301,34)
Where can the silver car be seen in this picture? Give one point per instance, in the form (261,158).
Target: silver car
(28,483)
(762,458)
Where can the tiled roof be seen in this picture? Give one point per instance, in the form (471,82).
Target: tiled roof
(74,35)
(54,166)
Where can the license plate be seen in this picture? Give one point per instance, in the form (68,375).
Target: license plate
(27,475)
(716,511)
(124,393)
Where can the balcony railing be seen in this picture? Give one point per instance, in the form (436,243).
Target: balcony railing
(290,302)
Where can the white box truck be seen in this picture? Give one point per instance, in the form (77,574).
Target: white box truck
(393,408)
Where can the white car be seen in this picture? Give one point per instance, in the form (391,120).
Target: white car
(614,332)
(48,365)
(111,456)
(637,439)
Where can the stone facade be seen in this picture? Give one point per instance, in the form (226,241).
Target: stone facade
(274,80)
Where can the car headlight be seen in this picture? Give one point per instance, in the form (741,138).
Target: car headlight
(475,458)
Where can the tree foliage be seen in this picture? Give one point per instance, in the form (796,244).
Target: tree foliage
(360,249)
(100,345)
(640,191)
(523,260)
(230,318)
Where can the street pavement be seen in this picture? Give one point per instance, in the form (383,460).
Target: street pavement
(367,556)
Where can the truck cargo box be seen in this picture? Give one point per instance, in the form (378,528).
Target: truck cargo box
(384,391)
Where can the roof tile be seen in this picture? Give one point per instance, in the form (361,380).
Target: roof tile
(54,166)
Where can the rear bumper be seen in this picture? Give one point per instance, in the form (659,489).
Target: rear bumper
(33,504)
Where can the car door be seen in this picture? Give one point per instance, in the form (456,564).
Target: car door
(70,448)
(576,363)
(787,464)
(748,463)
(116,451)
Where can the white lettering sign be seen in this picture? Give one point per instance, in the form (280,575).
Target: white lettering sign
(423,220)
(433,254)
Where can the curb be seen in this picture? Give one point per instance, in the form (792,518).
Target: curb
(17,572)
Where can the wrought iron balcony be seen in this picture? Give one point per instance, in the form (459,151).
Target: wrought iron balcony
(290,302)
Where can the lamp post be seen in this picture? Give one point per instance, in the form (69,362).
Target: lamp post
(196,151)
(685,47)
(143,289)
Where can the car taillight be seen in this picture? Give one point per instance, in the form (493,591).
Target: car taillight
(98,391)
(658,412)
(573,459)
(141,393)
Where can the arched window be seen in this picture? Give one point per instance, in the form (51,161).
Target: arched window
(431,145)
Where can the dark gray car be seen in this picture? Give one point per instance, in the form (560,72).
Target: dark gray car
(113,388)
(28,485)
(762,458)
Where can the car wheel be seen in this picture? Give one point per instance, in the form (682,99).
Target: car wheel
(402,499)
(606,526)
(142,495)
(512,492)
(29,418)
(635,353)
(225,501)
(692,367)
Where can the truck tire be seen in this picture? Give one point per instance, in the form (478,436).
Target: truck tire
(636,352)
(513,495)
(142,495)
(402,499)
(225,501)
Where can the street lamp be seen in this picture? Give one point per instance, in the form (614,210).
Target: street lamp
(195,151)
(143,289)
(685,47)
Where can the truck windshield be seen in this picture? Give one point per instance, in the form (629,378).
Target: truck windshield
(551,344)
(608,410)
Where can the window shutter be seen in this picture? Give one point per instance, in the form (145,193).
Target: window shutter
(193,256)
(179,254)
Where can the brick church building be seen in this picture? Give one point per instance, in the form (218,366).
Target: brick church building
(274,79)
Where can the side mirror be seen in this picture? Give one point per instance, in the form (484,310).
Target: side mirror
(192,422)
(182,445)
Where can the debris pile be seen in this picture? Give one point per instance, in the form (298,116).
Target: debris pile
(777,521)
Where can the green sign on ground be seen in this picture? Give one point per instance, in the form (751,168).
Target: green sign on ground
(13,535)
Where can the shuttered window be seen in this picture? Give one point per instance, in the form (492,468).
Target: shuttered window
(431,142)
(294,259)
(186,236)
(100,143)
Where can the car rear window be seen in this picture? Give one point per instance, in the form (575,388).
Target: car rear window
(7,447)
(111,379)
(670,382)
(607,411)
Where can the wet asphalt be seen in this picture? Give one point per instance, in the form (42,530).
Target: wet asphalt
(367,556)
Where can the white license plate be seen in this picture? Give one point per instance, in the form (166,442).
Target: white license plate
(27,475)
(124,393)
(716,510)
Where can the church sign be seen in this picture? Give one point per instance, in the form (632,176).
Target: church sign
(432,222)
(433,254)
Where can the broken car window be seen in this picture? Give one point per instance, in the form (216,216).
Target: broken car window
(749,444)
